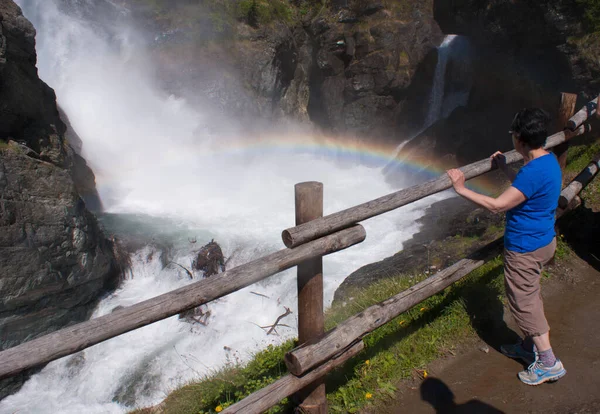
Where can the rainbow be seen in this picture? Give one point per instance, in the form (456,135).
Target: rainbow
(368,153)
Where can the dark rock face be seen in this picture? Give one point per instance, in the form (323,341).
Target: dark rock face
(541,33)
(54,259)
(365,65)
(525,54)
(348,70)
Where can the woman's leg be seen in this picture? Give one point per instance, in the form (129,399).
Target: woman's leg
(522,273)
(542,342)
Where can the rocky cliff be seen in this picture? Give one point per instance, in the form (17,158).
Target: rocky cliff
(355,68)
(365,68)
(54,259)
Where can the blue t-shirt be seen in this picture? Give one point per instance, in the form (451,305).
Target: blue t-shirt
(530,225)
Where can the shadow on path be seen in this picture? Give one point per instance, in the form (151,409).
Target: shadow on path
(436,392)
(580,229)
(486,311)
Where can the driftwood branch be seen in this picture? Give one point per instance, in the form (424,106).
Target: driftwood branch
(260,294)
(267,397)
(276,323)
(80,336)
(189,273)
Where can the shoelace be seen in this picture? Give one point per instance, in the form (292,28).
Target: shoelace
(534,365)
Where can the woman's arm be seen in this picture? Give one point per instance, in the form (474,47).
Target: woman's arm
(507,200)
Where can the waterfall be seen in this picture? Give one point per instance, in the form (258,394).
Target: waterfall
(436,98)
(447,93)
(167,170)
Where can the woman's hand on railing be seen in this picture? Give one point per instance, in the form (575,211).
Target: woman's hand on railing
(500,161)
(458,179)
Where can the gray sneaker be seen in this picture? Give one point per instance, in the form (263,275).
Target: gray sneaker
(537,373)
(517,351)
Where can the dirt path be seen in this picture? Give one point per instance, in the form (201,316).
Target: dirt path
(487,382)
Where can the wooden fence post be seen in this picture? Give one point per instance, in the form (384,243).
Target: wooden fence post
(311,325)
(565,111)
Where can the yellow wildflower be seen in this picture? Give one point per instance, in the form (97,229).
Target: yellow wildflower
(219,409)
(367,362)
(424,374)
(423,308)
(401,322)
(368,395)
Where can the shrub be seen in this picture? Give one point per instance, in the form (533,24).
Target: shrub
(259,12)
(591,12)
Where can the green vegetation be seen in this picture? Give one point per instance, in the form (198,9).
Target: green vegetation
(215,19)
(261,12)
(580,156)
(591,13)
(3,145)
(230,384)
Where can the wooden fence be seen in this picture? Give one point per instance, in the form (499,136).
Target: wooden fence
(313,237)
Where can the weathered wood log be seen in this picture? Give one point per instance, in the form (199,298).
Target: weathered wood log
(579,182)
(307,356)
(560,137)
(311,323)
(575,203)
(565,111)
(77,337)
(312,230)
(262,400)
(583,114)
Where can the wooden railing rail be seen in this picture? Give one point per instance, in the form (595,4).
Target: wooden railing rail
(320,227)
(583,114)
(77,337)
(267,397)
(579,182)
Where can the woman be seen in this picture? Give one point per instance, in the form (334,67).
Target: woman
(529,239)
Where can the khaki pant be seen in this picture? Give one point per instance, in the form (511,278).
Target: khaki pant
(522,272)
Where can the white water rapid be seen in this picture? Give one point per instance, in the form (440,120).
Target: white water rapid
(155,160)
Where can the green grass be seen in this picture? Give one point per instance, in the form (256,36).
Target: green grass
(403,347)
(394,351)
(580,156)
(3,145)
